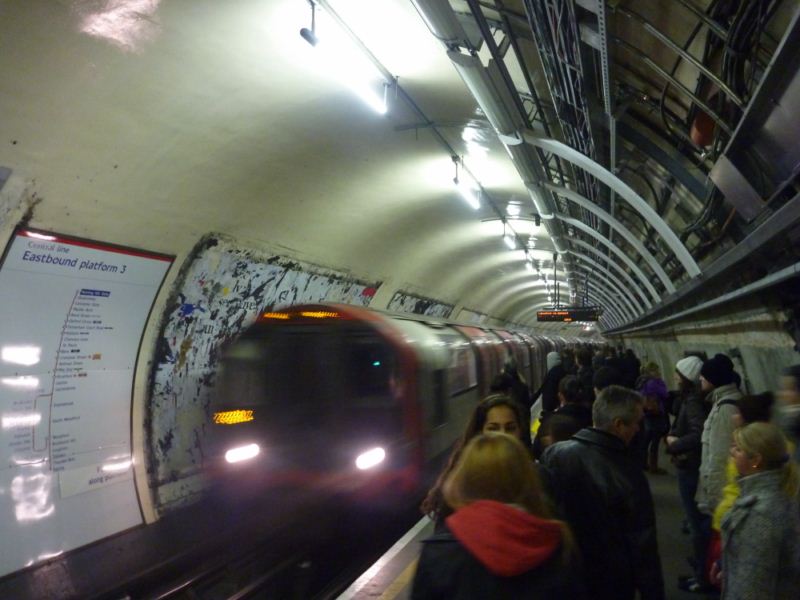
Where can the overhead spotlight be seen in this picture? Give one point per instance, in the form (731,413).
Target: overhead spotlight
(310,35)
(349,64)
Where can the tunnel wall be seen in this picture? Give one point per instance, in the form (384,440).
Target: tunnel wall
(219,292)
(411,303)
(752,332)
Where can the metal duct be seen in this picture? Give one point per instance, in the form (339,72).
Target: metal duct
(442,21)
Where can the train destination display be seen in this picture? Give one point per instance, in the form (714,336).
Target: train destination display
(72,313)
(566,315)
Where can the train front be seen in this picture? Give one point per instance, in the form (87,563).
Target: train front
(318,397)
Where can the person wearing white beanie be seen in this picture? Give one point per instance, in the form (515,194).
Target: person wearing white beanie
(685,447)
(690,368)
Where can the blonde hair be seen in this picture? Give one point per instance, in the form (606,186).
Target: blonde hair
(767,441)
(652,369)
(495,466)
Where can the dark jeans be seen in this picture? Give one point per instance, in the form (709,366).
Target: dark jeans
(699,524)
(655,428)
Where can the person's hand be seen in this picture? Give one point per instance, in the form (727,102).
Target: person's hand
(715,577)
(671,439)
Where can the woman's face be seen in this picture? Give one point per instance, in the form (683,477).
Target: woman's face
(745,465)
(501,419)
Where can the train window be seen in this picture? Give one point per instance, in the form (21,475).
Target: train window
(463,373)
(370,368)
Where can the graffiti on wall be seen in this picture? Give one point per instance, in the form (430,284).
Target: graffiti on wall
(409,303)
(220,291)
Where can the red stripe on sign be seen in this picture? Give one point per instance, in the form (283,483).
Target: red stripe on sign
(51,237)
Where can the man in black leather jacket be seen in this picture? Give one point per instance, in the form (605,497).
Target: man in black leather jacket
(603,494)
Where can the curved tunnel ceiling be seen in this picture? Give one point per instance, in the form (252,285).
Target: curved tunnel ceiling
(153,123)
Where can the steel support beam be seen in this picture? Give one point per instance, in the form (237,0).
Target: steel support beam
(635,286)
(779,224)
(636,305)
(623,190)
(616,225)
(603,240)
(615,293)
(609,303)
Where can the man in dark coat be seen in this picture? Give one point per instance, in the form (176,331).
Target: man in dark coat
(603,494)
(549,389)
(631,368)
(585,374)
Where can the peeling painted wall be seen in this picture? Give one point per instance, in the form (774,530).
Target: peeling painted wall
(220,291)
(472,317)
(409,303)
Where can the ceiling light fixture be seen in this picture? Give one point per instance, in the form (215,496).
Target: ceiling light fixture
(509,238)
(341,58)
(469,192)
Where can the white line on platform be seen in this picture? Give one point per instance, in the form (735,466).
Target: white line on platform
(398,546)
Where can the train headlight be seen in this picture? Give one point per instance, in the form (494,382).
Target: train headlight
(241,453)
(370,458)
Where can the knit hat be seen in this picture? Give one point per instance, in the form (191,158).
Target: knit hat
(718,371)
(690,367)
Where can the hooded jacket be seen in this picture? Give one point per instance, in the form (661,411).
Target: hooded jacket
(493,550)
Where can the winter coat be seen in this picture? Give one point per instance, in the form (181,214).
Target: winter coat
(579,413)
(585,377)
(521,392)
(716,444)
(603,494)
(493,550)
(761,542)
(730,493)
(688,428)
(549,389)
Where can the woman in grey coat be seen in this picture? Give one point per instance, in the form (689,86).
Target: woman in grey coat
(761,533)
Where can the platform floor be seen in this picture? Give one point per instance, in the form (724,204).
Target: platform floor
(390,578)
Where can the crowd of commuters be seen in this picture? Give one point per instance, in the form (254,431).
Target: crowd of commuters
(569,513)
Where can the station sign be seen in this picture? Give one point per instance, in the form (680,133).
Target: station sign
(568,315)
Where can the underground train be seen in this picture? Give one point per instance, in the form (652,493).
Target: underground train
(355,400)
